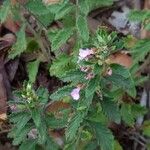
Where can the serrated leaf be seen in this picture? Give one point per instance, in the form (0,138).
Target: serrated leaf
(77,118)
(60,38)
(93,4)
(82,27)
(5,10)
(104,137)
(73,76)
(54,123)
(84,6)
(140,50)
(73,126)
(127,84)
(32,69)
(36,7)
(36,116)
(20,45)
(111,110)
(121,70)
(61,65)
(64,11)
(23,121)
(21,135)
(61,92)
(43,95)
(50,144)
(137,110)
(28,145)
(126,114)
(92,85)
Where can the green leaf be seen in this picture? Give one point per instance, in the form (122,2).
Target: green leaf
(126,114)
(64,11)
(28,145)
(20,45)
(93,4)
(73,126)
(140,50)
(23,121)
(77,118)
(137,110)
(146,128)
(61,93)
(36,116)
(17,116)
(91,146)
(61,65)
(84,6)
(104,137)
(32,69)
(92,85)
(21,135)
(46,19)
(5,10)
(54,123)
(43,132)
(50,144)
(127,84)
(111,110)
(36,7)
(136,15)
(43,95)
(82,27)
(60,38)
(121,70)
(73,76)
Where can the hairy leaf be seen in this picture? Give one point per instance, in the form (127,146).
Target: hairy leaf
(82,27)
(5,10)
(20,45)
(111,110)
(32,69)
(61,93)
(60,38)
(104,137)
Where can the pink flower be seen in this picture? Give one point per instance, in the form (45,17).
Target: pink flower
(75,94)
(85,68)
(109,72)
(89,76)
(84,53)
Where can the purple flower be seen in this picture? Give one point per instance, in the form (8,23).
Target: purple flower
(109,72)
(85,68)
(75,94)
(84,53)
(89,76)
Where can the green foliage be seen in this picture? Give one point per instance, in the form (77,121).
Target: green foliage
(5,10)
(126,113)
(61,93)
(30,116)
(92,87)
(20,45)
(140,50)
(61,65)
(111,110)
(73,126)
(32,68)
(104,137)
(82,27)
(60,38)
